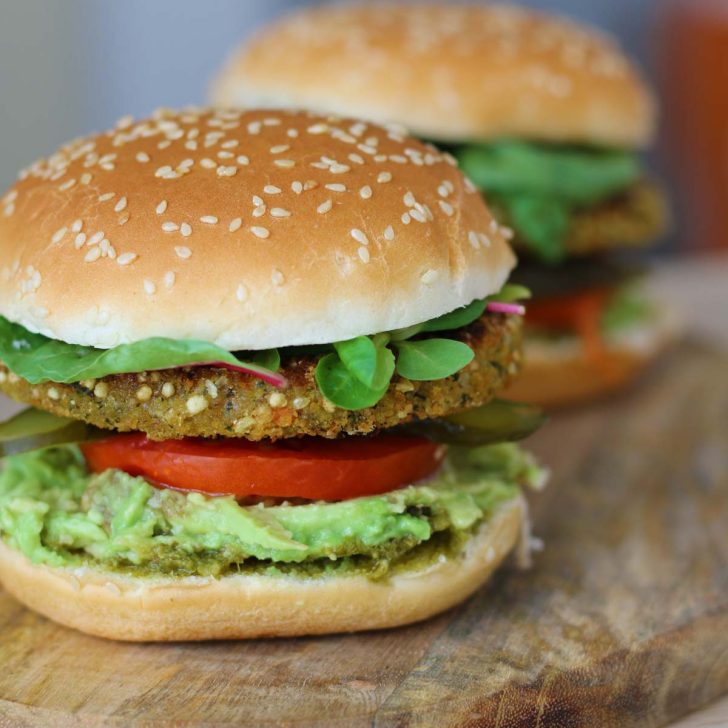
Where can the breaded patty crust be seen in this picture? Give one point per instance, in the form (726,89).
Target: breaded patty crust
(208,401)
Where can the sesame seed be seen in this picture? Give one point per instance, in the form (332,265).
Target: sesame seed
(279,212)
(258,200)
(144,393)
(167,389)
(182,251)
(336,187)
(126,258)
(297,187)
(142,157)
(284,163)
(356,158)
(149,288)
(405,218)
(384,177)
(92,254)
(161,207)
(235,224)
(229,144)
(163,171)
(208,163)
(67,185)
(429,276)
(106,196)
(365,192)
(280,148)
(170,227)
(196,404)
(243,160)
(225,155)
(79,241)
(324,207)
(120,205)
(364,254)
(417,215)
(271,190)
(473,238)
(254,127)
(58,235)
(409,199)
(277,277)
(484,240)
(359,236)
(77,225)
(209,219)
(259,211)
(319,128)
(260,232)
(223,171)
(101,390)
(86,177)
(389,233)
(277,399)
(241,293)
(168,279)
(446,207)
(96,238)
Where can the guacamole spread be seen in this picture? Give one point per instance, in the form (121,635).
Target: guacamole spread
(56,513)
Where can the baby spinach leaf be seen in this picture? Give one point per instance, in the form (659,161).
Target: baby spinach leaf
(431,359)
(542,223)
(342,388)
(37,358)
(456,319)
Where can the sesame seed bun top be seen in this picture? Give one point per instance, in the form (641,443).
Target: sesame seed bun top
(448,72)
(249,229)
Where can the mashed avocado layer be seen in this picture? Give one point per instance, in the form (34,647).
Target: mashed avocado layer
(56,513)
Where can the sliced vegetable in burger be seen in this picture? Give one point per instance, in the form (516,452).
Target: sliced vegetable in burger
(273,385)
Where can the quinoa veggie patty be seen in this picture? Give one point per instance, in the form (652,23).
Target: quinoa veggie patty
(208,401)
(632,219)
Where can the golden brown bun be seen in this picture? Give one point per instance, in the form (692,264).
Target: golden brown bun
(450,72)
(242,607)
(216,225)
(559,373)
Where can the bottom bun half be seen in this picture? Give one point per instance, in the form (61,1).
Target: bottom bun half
(107,604)
(559,372)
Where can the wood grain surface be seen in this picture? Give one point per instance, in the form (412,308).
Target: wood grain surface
(622,622)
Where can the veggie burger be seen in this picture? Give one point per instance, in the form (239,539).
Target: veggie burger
(258,349)
(544,115)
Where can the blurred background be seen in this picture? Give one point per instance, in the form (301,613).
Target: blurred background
(72,67)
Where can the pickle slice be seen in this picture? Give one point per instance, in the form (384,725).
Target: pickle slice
(34,429)
(497,421)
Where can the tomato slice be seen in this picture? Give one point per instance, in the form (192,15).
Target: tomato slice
(579,312)
(311,468)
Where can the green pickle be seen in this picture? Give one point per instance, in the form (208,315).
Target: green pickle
(497,421)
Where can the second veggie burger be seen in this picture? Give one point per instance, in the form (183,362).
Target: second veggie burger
(544,115)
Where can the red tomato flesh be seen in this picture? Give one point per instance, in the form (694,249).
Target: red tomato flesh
(311,468)
(579,312)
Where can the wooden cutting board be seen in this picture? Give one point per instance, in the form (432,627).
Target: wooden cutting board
(622,622)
